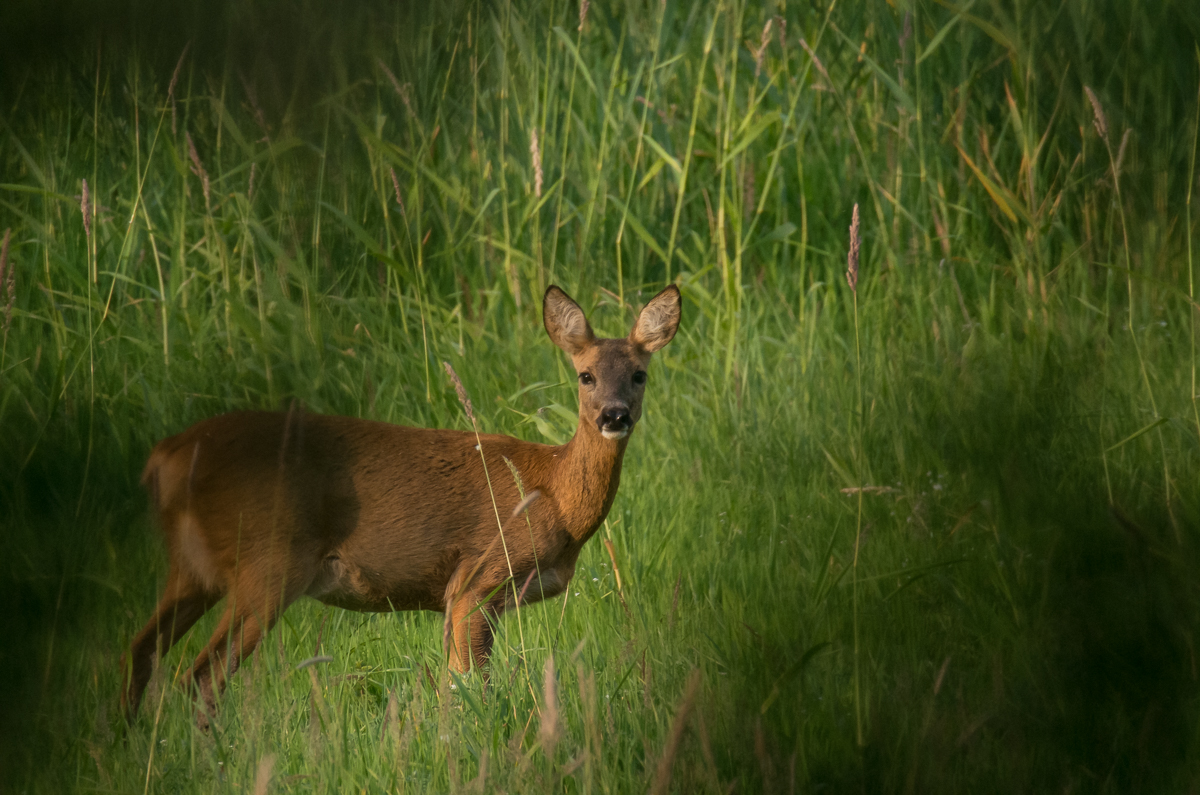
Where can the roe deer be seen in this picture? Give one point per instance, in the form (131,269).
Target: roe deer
(261,508)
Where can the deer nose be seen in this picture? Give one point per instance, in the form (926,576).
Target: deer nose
(614,418)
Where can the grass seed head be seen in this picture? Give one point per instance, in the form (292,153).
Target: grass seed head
(760,54)
(461,390)
(402,90)
(583,9)
(1098,117)
(84,206)
(250,189)
(852,256)
(1121,153)
(816,61)
(198,169)
(171,86)
(536,153)
(396,187)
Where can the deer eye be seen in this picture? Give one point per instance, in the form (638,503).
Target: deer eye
(639,377)
(586,379)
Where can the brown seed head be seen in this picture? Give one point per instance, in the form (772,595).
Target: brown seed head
(816,61)
(1121,153)
(396,187)
(85,207)
(462,392)
(198,169)
(402,90)
(583,9)
(536,153)
(171,86)
(1098,118)
(761,53)
(852,256)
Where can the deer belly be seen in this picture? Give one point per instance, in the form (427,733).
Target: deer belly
(343,583)
(534,588)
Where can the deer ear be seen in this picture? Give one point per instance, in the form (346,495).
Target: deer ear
(565,322)
(657,322)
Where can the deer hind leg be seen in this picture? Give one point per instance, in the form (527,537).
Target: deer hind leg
(254,605)
(182,604)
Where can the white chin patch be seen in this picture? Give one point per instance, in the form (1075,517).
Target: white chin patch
(614,435)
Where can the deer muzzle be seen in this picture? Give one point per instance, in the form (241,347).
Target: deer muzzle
(614,422)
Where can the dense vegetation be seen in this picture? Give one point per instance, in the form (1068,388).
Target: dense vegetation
(940,533)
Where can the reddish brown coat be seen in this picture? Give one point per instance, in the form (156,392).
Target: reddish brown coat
(264,507)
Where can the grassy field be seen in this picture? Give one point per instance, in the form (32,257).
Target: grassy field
(939,534)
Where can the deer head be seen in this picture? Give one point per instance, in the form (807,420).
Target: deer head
(612,372)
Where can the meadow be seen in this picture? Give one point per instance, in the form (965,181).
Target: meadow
(937,530)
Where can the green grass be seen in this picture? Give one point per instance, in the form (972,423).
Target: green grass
(1015,381)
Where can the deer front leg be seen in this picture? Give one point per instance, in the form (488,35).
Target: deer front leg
(468,634)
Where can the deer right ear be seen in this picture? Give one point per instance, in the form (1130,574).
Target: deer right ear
(565,322)
(657,322)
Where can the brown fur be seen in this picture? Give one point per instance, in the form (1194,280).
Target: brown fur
(260,508)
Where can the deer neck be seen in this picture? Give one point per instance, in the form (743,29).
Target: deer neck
(586,479)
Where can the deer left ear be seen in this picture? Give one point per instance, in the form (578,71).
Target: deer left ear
(657,322)
(565,322)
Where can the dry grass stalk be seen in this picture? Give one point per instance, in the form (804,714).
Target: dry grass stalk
(4,254)
(1121,153)
(1098,117)
(171,87)
(262,777)
(870,490)
(760,55)
(250,189)
(529,499)
(7,279)
(674,603)
(852,256)
(198,170)
(86,209)
(550,729)
(816,61)
(662,776)
(525,588)
(612,555)
(583,9)
(255,109)
(462,392)
(396,187)
(402,90)
(536,153)
(748,193)
(906,31)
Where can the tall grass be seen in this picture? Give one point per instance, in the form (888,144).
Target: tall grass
(937,532)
